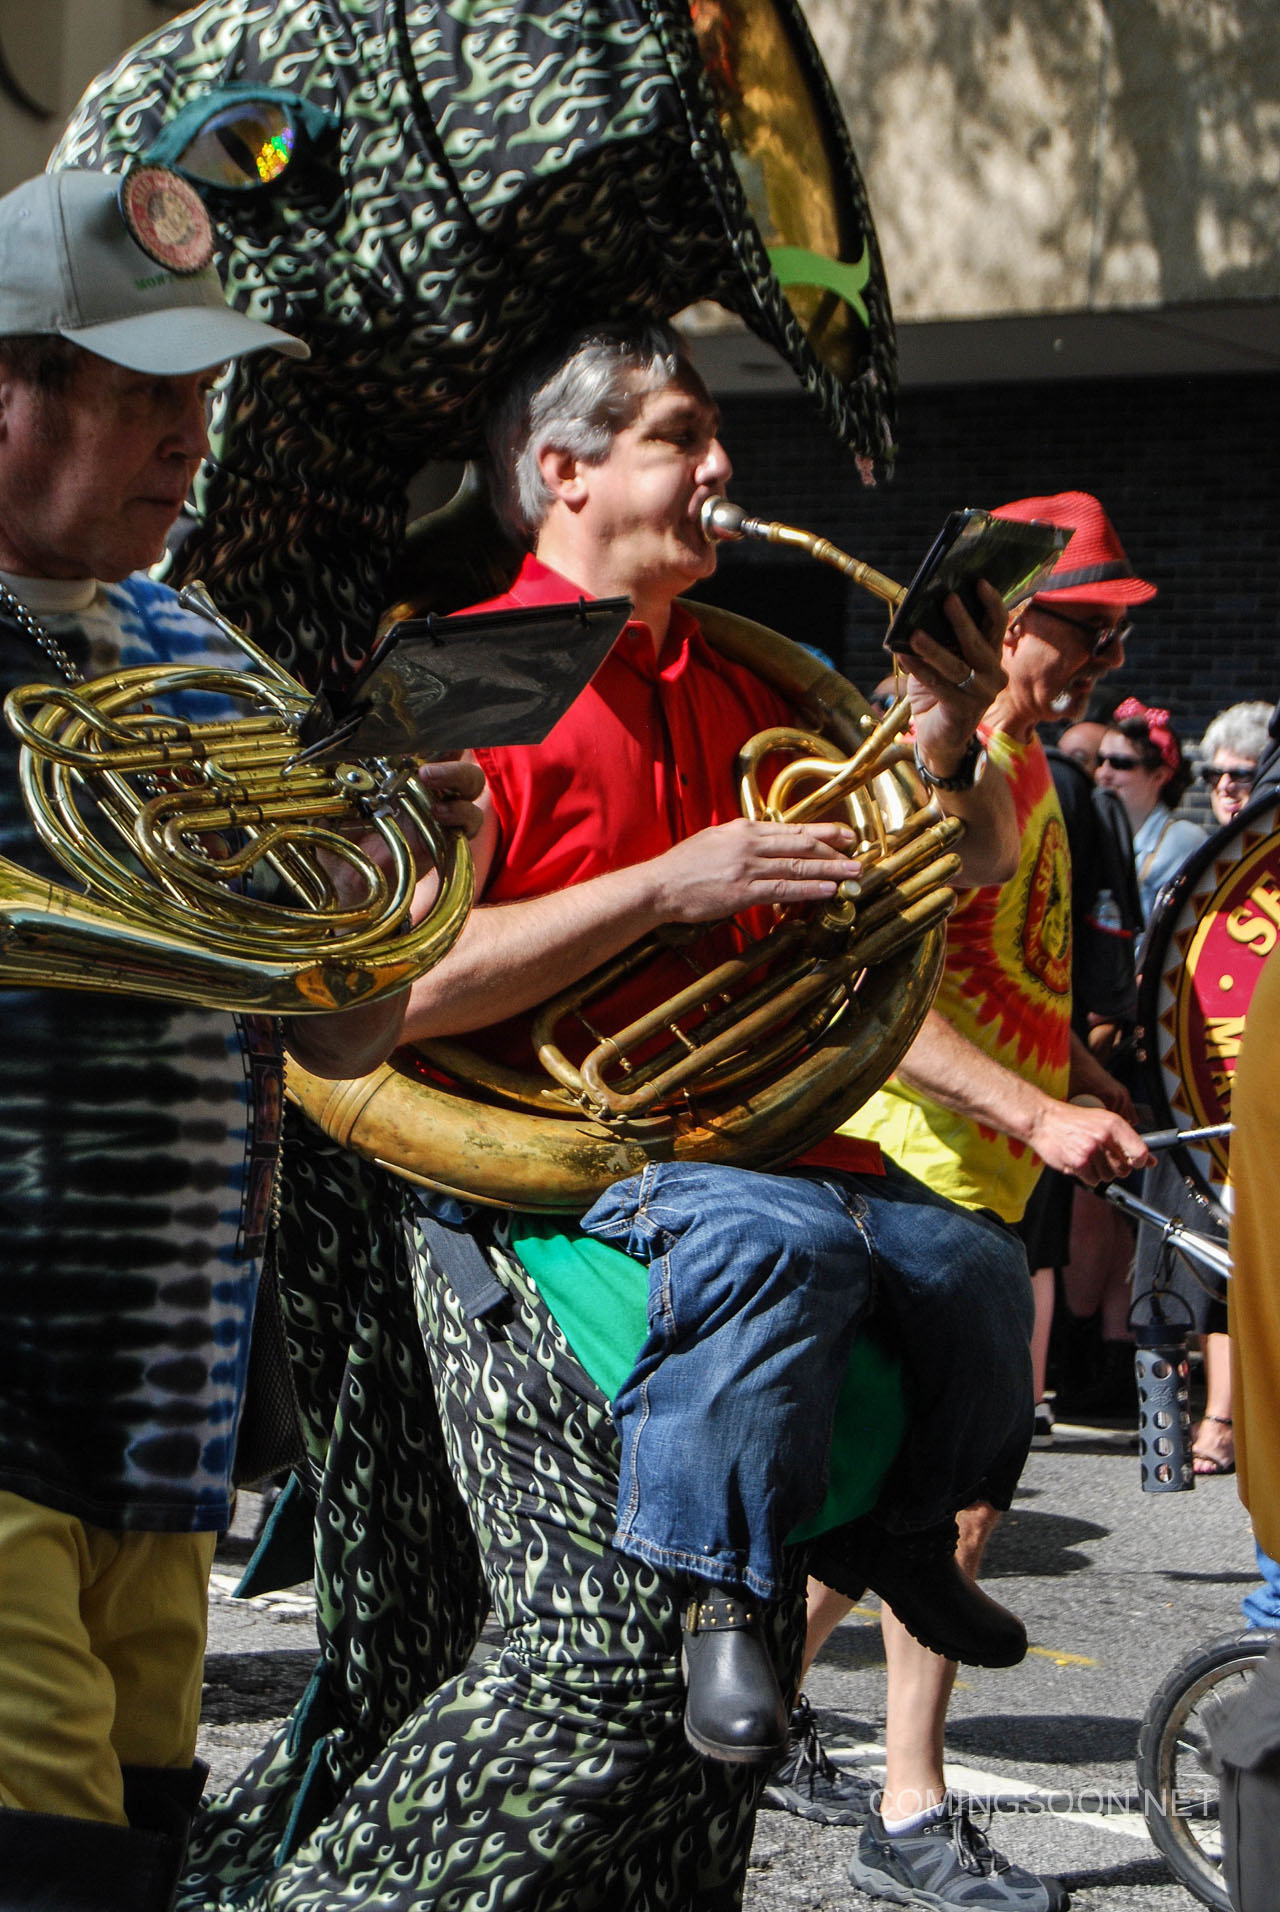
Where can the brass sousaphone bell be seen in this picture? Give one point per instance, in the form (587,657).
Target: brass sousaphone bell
(760,1056)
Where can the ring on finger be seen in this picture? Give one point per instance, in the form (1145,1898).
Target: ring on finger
(966,682)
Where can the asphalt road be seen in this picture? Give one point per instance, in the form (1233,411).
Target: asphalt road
(1115,1586)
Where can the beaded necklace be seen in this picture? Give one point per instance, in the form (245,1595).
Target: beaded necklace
(31,627)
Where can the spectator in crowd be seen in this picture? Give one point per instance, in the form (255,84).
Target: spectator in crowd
(1105,920)
(1082,742)
(1142,761)
(1230,749)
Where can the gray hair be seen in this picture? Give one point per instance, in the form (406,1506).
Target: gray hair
(1242,730)
(576,399)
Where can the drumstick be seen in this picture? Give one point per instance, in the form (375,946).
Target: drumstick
(1168,1138)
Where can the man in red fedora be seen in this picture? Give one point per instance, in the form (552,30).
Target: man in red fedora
(979,1106)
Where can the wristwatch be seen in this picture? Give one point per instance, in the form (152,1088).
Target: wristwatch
(965,774)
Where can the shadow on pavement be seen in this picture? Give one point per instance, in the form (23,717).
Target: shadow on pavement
(239,1687)
(1026,1542)
(1054,1739)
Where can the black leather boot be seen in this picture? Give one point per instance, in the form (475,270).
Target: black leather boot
(53,1863)
(733,1708)
(918,1576)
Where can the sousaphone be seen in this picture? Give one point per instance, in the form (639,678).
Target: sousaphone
(757,1055)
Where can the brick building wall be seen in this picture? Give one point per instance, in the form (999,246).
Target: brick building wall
(1187,468)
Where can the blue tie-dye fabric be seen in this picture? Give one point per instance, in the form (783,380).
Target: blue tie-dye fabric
(126,1145)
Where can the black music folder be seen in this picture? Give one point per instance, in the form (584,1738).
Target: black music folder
(468,682)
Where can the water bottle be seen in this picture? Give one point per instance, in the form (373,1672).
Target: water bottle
(1105,914)
(1164,1414)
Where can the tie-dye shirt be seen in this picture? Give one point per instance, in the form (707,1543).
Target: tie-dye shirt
(137,1148)
(1006,986)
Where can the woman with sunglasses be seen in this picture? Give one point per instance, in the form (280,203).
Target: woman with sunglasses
(1142,761)
(1230,748)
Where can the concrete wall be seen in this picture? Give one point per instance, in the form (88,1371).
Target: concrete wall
(1059,155)
(49,52)
(1186,468)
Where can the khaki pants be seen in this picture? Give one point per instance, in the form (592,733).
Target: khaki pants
(102,1639)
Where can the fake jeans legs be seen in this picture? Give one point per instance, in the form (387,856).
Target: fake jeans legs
(757,1286)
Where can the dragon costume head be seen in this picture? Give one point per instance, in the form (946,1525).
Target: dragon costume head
(424,190)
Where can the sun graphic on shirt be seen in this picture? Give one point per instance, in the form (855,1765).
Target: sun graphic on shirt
(1014,993)
(1046,922)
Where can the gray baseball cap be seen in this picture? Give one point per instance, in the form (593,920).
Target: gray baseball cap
(72,264)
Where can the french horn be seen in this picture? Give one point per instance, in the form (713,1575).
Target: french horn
(172,827)
(758,1057)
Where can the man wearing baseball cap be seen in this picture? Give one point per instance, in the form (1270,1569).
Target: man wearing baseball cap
(977,1107)
(137,1138)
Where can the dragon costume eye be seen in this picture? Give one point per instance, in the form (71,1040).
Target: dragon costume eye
(242,147)
(239,139)
(786,137)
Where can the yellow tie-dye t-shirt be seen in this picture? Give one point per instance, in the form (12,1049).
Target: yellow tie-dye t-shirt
(1006,986)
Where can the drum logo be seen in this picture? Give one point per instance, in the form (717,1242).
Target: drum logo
(1227,928)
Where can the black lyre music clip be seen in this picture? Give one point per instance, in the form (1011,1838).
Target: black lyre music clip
(467,682)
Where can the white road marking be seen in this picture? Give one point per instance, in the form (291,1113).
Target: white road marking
(282,1600)
(997,1792)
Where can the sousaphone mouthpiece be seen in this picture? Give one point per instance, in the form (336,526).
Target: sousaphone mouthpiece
(721,519)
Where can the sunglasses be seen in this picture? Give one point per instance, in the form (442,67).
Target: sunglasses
(1121,763)
(1239,776)
(239,138)
(1101,637)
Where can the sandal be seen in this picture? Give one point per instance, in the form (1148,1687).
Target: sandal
(1208,1465)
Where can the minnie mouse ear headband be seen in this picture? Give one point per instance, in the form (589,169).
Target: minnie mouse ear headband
(1157,728)
(1093,569)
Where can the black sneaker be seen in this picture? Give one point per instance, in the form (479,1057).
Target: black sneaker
(948,1864)
(807,1782)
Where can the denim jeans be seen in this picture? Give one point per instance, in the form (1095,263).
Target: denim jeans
(757,1286)
(1261,1605)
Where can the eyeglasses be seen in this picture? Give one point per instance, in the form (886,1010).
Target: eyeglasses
(1102,637)
(1121,763)
(1239,776)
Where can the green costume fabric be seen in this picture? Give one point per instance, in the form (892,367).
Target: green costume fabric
(598,1298)
(554,1777)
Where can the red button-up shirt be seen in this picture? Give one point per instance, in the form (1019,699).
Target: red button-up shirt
(642,759)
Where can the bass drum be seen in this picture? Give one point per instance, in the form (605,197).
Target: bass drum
(1211,930)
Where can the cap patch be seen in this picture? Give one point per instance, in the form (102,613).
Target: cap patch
(166,217)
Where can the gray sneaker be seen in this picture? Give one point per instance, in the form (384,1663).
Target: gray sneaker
(948,1864)
(807,1782)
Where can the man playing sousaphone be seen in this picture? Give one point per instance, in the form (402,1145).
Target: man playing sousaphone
(624,819)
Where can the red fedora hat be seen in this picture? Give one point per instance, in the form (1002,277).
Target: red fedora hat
(1093,569)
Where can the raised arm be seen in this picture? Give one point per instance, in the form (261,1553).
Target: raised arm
(949,697)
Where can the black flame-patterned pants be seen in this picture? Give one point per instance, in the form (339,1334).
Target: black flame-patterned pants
(553,1776)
